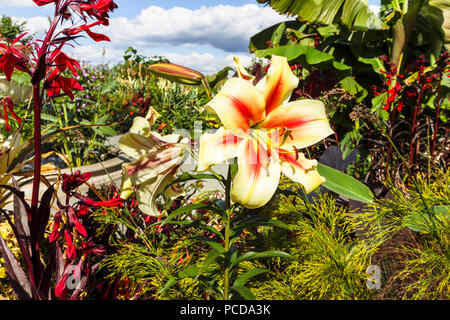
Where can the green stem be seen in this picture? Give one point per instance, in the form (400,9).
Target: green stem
(207,88)
(226,289)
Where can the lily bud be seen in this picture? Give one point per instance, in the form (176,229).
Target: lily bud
(177,73)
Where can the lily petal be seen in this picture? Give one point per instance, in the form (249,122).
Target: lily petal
(241,71)
(141,126)
(217,148)
(278,84)
(149,191)
(306,121)
(126,189)
(154,163)
(301,170)
(136,145)
(257,178)
(239,105)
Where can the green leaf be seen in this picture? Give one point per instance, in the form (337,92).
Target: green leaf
(185,209)
(244,292)
(442,210)
(310,55)
(345,185)
(109,87)
(49,117)
(210,258)
(260,255)
(259,40)
(242,279)
(107,131)
(354,14)
(278,34)
(255,221)
(349,84)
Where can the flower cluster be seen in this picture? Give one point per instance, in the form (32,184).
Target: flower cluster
(68,226)
(45,60)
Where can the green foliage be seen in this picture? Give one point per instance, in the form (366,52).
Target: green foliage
(329,263)
(353,14)
(9,30)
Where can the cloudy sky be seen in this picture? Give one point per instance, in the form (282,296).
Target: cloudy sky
(201,34)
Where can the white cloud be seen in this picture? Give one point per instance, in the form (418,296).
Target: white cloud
(224,27)
(206,63)
(203,39)
(17,3)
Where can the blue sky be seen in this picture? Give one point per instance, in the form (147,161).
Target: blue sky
(201,34)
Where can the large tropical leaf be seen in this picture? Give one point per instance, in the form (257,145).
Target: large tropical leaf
(440,12)
(353,14)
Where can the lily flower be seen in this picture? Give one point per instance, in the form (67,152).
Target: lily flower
(158,160)
(264,131)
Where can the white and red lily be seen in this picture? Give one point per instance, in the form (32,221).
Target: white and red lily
(158,160)
(264,131)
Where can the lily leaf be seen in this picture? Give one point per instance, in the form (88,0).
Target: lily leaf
(345,185)
(260,255)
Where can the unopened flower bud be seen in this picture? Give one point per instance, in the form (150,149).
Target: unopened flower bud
(177,73)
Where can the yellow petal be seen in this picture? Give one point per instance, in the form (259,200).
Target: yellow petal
(141,126)
(241,71)
(257,178)
(301,170)
(136,145)
(154,163)
(278,84)
(149,191)
(126,189)
(239,105)
(217,148)
(306,121)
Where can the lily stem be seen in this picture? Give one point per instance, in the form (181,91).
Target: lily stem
(226,289)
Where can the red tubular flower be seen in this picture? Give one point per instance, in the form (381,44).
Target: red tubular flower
(115,202)
(56,222)
(61,286)
(41,3)
(86,27)
(62,62)
(8,106)
(55,83)
(71,182)
(74,220)
(71,250)
(11,58)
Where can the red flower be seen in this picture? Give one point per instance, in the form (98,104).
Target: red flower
(55,83)
(86,27)
(43,2)
(62,62)
(11,58)
(74,220)
(71,182)
(8,106)
(71,250)
(56,222)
